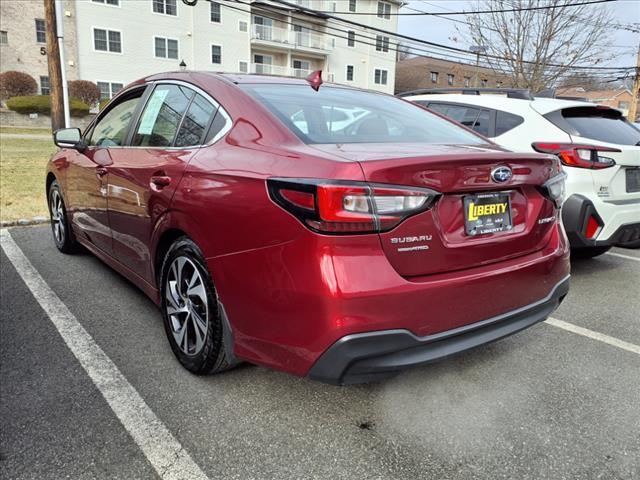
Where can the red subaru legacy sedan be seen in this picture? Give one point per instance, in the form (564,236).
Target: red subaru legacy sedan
(338,234)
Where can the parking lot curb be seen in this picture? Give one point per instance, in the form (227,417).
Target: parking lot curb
(24,222)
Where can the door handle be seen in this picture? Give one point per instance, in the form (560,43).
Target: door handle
(101,171)
(160,181)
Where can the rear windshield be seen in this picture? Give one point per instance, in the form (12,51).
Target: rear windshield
(341,115)
(603,124)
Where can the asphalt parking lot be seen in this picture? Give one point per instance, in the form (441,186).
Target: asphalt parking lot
(545,403)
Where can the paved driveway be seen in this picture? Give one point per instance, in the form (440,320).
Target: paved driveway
(556,401)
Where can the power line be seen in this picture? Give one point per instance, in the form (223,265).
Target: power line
(477,12)
(429,53)
(426,42)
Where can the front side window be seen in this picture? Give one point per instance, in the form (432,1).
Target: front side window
(161,116)
(384,10)
(45,87)
(364,117)
(195,123)
(380,77)
(111,129)
(166,48)
(41,31)
(216,54)
(166,7)
(216,17)
(107,40)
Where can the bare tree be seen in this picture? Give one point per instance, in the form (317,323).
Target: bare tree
(403,52)
(554,40)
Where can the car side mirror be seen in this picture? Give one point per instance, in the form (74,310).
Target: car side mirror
(69,138)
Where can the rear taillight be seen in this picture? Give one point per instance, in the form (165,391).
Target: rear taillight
(580,156)
(337,207)
(554,189)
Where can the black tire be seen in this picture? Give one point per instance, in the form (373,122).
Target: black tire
(63,236)
(588,252)
(211,357)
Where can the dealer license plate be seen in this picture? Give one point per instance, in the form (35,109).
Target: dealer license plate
(487,213)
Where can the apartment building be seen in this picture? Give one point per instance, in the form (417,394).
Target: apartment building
(23,45)
(118,41)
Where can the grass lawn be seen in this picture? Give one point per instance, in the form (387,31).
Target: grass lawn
(22,168)
(32,131)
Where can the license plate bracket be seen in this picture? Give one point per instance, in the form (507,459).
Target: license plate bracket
(486,213)
(632,179)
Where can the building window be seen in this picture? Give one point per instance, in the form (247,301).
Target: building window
(382,43)
(216,54)
(498,84)
(243,26)
(352,5)
(107,40)
(108,89)
(45,87)
(215,12)
(351,38)
(41,35)
(4,38)
(166,48)
(349,73)
(384,10)
(467,81)
(115,3)
(434,77)
(485,82)
(380,77)
(623,105)
(166,7)
(243,67)
(450,78)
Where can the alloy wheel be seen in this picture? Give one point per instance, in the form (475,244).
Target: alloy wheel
(187,306)
(57,216)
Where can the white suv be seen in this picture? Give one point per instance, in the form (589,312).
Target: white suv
(599,150)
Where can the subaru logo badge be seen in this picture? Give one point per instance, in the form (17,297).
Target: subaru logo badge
(501,174)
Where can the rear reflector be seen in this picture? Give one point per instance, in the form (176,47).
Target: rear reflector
(593,227)
(580,156)
(349,207)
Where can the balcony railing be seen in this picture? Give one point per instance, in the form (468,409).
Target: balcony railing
(267,69)
(290,38)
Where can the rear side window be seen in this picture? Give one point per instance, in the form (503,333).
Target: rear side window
(161,117)
(603,124)
(342,115)
(474,118)
(506,121)
(195,122)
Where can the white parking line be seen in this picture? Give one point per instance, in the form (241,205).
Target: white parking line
(628,257)
(163,451)
(585,332)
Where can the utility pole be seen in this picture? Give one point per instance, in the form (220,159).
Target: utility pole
(634,93)
(55,68)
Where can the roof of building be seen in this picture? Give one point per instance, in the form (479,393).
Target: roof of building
(595,95)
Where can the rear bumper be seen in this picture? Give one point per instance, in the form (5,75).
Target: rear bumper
(364,357)
(619,224)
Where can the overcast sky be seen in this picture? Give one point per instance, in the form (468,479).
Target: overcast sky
(439,30)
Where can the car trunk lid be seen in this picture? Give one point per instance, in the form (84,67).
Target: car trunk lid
(438,240)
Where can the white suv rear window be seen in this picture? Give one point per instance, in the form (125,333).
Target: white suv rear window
(603,124)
